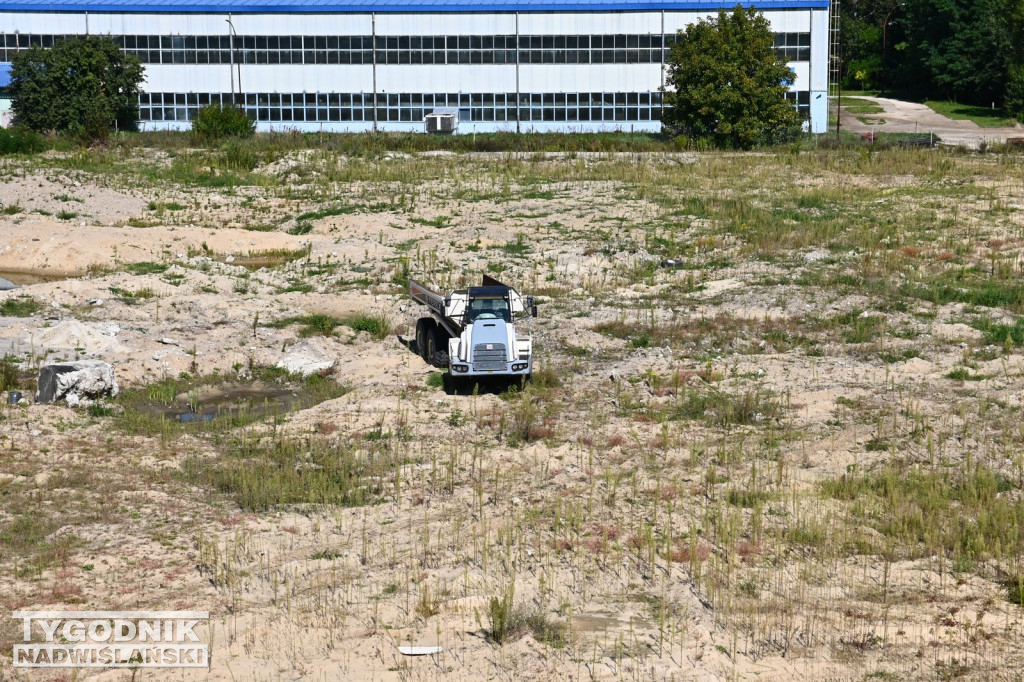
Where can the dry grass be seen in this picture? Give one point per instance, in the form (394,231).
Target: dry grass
(767,457)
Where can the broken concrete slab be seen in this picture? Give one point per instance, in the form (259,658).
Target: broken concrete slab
(308,357)
(75,381)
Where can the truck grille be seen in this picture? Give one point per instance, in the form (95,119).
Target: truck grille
(489,356)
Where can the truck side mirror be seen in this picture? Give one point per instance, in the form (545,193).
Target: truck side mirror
(533,311)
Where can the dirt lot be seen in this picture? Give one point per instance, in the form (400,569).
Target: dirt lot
(798,454)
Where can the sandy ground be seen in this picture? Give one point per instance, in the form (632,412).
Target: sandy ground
(331,592)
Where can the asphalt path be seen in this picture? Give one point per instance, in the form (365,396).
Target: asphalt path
(911,117)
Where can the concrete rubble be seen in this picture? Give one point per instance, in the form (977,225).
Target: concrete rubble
(76,382)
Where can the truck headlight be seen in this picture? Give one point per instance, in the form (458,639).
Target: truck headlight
(460,368)
(519,366)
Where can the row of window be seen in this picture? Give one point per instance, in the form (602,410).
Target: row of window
(359,99)
(501,49)
(412,107)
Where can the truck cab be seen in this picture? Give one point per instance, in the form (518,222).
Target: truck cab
(476,326)
(489,344)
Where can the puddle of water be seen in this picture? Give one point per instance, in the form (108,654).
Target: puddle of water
(233,401)
(22,278)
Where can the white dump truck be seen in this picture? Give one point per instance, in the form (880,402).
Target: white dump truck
(472,331)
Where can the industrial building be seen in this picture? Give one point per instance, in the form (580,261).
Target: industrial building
(356,65)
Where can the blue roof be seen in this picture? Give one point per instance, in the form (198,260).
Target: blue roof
(350,6)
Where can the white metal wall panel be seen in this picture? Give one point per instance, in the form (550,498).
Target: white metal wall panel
(819,50)
(316,78)
(42,23)
(585,23)
(301,24)
(675,21)
(819,111)
(589,78)
(802,72)
(790,21)
(446,24)
(455,78)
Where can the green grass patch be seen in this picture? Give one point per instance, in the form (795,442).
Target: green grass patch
(438,222)
(326,213)
(146,268)
(20,306)
(376,325)
(970,287)
(997,333)
(318,324)
(137,295)
(858,105)
(964,374)
(985,117)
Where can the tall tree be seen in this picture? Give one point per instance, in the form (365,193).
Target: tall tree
(866,36)
(1014,97)
(957,49)
(83,86)
(726,85)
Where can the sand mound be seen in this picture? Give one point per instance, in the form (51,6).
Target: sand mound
(93,338)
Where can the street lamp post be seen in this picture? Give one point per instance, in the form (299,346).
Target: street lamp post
(234,36)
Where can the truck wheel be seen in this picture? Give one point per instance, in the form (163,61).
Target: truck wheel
(424,326)
(437,347)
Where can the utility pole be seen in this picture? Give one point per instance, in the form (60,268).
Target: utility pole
(231,56)
(234,37)
(518,129)
(373,32)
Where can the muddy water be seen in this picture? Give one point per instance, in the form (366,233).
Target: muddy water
(28,277)
(232,401)
(614,622)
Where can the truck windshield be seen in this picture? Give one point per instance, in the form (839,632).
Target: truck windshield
(489,309)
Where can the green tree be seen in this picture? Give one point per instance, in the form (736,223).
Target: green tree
(1014,98)
(866,36)
(958,49)
(82,86)
(726,85)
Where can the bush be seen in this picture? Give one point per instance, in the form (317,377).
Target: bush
(82,86)
(239,156)
(21,141)
(8,373)
(215,121)
(376,325)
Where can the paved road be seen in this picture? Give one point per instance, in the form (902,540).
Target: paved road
(910,117)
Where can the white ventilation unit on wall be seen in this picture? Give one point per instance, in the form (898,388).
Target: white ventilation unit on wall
(442,121)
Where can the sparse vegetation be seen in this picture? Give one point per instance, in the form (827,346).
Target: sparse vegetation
(800,431)
(215,122)
(20,306)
